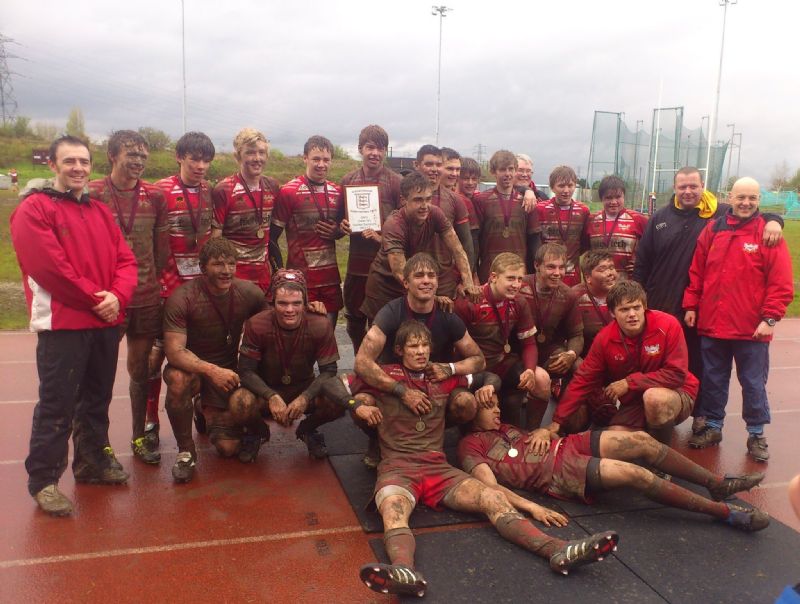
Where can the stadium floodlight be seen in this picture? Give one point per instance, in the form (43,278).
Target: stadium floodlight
(730,154)
(442,12)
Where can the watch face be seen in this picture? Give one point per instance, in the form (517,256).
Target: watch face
(770,322)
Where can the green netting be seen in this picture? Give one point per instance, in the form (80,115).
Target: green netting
(787,201)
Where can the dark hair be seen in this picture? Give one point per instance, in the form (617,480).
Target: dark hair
(562,174)
(686,171)
(549,249)
(195,144)
(217,247)
(593,258)
(66,140)
(625,291)
(318,142)
(124,138)
(470,167)
(411,329)
(501,159)
(610,184)
(413,182)
(420,260)
(448,154)
(428,150)
(373,134)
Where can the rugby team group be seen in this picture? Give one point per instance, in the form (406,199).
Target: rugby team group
(564,345)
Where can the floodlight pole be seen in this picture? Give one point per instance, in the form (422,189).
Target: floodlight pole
(738,154)
(730,154)
(712,130)
(442,12)
(636,158)
(183,61)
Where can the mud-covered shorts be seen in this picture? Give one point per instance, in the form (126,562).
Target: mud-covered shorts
(424,478)
(576,455)
(144,321)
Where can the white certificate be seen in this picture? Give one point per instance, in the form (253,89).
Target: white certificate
(363,207)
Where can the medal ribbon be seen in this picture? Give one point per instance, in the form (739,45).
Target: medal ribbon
(284,356)
(258,208)
(126,226)
(326,216)
(505,327)
(542,320)
(228,323)
(195,218)
(607,238)
(505,205)
(561,230)
(597,310)
(422,387)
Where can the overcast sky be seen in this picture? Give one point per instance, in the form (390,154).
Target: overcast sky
(521,75)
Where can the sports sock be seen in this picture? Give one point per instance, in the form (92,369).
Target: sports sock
(664,491)
(138,392)
(672,462)
(181,420)
(662,433)
(517,529)
(153,394)
(400,546)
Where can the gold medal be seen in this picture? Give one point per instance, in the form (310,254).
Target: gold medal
(506,233)
(260,233)
(419,426)
(512,452)
(507,348)
(540,337)
(286,380)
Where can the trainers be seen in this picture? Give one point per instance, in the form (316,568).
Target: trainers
(143,452)
(584,551)
(53,501)
(735,484)
(393,579)
(707,437)
(372,457)
(315,442)
(251,444)
(151,435)
(183,470)
(698,423)
(112,459)
(747,519)
(87,473)
(757,447)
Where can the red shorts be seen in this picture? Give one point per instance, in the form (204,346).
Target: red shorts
(426,476)
(329,295)
(572,456)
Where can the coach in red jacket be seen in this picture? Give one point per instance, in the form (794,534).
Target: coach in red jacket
(738,289)
(79,274)
(641,363)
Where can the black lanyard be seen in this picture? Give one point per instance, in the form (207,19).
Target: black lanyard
(126,226)
(228,323)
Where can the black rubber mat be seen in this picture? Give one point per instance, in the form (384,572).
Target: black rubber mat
(343,437)
(476,565)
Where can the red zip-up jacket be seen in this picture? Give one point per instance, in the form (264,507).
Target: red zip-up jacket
(69,249)
(735,281)
(656,359)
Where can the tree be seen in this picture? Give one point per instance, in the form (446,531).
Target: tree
(75,124)
(157,140)
(45,131)
(780,176)
(794,183)
(339,152)
(19,127)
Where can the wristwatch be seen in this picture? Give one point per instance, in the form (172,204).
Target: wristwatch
(770,322)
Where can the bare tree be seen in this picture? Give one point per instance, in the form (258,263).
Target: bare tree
(75,124)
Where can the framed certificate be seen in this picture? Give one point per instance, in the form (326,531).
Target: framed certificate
(363,207)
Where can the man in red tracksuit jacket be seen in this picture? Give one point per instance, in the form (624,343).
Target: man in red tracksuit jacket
(79,275)
(641,363)
(738,289)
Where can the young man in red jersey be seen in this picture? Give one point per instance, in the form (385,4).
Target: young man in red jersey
(563,220)
(500,317)
(310,209)
(641,363)
(414,469)
(140,211)
(190,213)
(373,141)
(615,227)
(580,466)
(505,226)
(243,205)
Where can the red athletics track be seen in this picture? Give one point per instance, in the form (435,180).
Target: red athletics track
(278,530)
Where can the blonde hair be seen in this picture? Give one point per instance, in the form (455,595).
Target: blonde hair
(507,261)
(246,137)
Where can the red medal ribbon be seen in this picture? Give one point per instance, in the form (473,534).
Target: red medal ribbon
(505,327)
(282,353)
(569,220)
(326,216)
(227,323)
(506,207)
(195,218)
(607,238)
(257,207)
(126,226)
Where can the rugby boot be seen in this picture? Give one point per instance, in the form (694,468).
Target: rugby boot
(87,473)
(735,484)
(315,443)
(707,437)
(372,457)
(183,469)
(112,459)
(747,519)
(143,451)
(151,430)
(584,551)
(252,440)
(757,447)
(393,579)
(698,423)
(53,502)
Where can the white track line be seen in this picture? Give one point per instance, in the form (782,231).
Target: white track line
(155,549)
